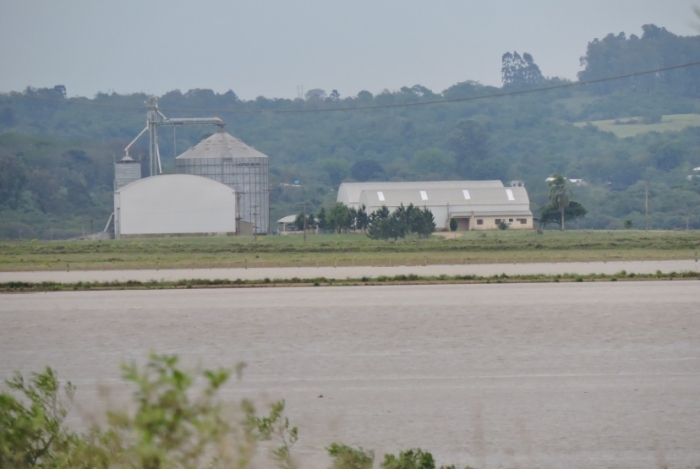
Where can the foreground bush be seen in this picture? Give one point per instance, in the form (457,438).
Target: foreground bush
(177,422)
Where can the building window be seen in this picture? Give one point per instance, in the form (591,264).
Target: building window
(498,221)
(510,220)
(523,221)
(479,221)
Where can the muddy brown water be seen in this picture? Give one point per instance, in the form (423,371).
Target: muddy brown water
(525,375)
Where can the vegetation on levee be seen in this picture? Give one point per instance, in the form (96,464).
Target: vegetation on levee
(401,279)
(177,420)
(347,250)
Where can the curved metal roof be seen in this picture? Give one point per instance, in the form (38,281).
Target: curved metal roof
(349,192)
(479,200)
(221,145)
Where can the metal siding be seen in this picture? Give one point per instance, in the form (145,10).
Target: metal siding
(229,161)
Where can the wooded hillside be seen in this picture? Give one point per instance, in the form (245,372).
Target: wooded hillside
(56,152)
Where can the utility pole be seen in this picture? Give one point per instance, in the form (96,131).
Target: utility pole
(304,222)
(646,207)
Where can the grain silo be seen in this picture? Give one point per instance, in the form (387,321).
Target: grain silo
(126,171)
(224,158)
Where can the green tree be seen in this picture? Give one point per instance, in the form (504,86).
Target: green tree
(321,219)
(339,217)
(453,224)
(362,220)
(299,221)
(549,214)
(378,223)
(424,224)
(559,195)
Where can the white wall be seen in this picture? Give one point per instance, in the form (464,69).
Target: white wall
(174,204)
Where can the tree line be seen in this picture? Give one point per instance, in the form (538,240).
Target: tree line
(380,224)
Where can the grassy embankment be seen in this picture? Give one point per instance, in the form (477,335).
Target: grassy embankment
(629,127)
(351,249)
(19,287)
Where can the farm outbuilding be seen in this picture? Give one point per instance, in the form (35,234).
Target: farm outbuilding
(175,204)
(476,205)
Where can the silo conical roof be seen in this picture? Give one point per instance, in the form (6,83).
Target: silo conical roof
(221,145)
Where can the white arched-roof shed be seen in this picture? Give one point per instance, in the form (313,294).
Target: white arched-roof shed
(174,204)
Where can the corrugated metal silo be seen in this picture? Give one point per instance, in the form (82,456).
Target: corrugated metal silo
(126,171)
(224,158)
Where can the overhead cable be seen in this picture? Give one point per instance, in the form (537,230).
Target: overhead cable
(380,106)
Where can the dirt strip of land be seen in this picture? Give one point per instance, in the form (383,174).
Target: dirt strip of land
(484,270)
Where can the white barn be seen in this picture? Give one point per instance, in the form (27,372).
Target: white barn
(175,204)
(476,205)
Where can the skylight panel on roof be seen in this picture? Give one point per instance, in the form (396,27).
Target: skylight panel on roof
(509,193)
(423,195)
(380,196)
(466,194)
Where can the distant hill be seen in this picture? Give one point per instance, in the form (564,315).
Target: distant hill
(56,152)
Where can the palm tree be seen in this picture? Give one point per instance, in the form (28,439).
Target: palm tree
(559,195)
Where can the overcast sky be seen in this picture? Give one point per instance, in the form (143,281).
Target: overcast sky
(270,47)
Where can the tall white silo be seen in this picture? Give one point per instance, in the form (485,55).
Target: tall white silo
(226,159)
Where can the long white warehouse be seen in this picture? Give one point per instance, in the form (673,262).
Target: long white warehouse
(476,205)
(175,204)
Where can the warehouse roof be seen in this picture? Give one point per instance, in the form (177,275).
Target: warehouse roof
(481,200)
(349,192)
(221,145)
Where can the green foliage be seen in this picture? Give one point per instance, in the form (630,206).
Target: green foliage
(502,225)
(336,169)
(453,224)
(347,457)
(627,224)
(339,217)
(559,196)
(174,424)
(411,459)
(432,163)
(275,427)
(619,55)
(520,71)
(551,215)
(384,224)
(31,426)
(366,170)
(13,178)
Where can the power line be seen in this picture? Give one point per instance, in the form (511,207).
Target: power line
(381,106)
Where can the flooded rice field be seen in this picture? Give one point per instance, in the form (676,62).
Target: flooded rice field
(516,375)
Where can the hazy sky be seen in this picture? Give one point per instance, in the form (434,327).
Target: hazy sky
(269,47)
